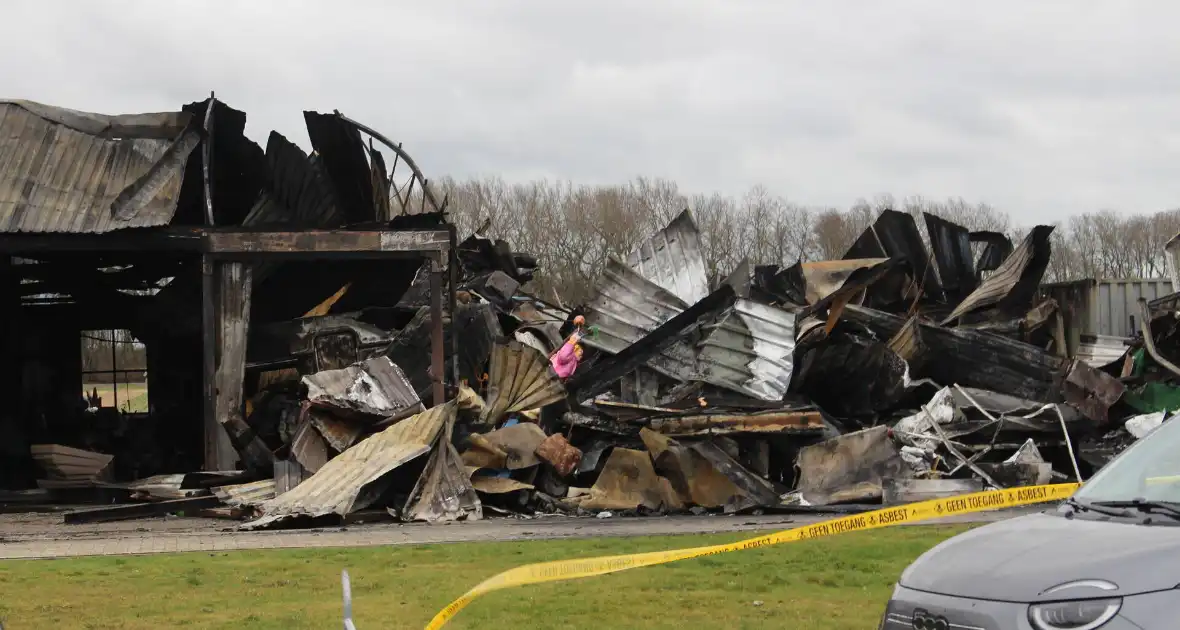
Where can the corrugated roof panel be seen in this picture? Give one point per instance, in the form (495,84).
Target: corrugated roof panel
(298,186)
(672,259)
(340,486)
(68,171)
(520,379)
(625,308)
(750,350)
(245,494)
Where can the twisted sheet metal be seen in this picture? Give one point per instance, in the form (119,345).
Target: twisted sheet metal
(519,379)
(376,387)
(68,171)
(347,482)
(1025,261)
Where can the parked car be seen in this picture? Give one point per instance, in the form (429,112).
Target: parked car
(1107,558)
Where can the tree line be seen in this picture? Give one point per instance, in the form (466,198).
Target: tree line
(574,229)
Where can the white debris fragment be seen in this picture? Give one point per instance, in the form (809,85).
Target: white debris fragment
(1141,425)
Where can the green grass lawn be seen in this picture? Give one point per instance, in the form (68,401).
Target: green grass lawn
(838,583)
(132,396)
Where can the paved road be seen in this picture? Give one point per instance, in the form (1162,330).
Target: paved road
(43,536)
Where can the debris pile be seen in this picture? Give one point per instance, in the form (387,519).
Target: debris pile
(900,373)
(896,374)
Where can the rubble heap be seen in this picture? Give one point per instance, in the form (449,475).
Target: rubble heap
(899,373)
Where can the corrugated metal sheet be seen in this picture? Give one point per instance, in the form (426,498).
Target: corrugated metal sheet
(519,379)
(298,193)
(1172,249)
(1104,306)
(343,485)
(672,259)
(1009,274)
(375,387)
(444,491)
(339,433)
(750,350)
(1118,303)
(246,494)
(952,251)
(896,234)
(67,171)
(339,145)
(625,308)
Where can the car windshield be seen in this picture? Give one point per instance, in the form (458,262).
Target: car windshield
(1148,469)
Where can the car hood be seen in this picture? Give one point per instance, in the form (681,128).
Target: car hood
(1017,560)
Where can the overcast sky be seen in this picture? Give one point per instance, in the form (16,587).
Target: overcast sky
(1041,108)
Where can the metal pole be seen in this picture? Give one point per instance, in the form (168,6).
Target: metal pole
(207,157)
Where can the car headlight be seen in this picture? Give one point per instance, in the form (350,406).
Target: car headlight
(1083,614)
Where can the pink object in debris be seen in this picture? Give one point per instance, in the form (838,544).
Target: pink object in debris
(565,361)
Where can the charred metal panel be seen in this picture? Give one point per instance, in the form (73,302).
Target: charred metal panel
(339,145)
(444,491)
(478,328)
(351,480)
(851,377)
(298,193)
(952,250)
(895,234)
(627,307)
(1012,287)
(973,359)
(849,468)
(377,387)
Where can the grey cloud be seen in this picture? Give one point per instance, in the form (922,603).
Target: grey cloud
(1043,109)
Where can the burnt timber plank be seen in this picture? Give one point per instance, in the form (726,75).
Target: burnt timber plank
(219,451)
(236,283)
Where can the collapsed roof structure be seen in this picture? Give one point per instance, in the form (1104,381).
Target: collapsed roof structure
(320,343)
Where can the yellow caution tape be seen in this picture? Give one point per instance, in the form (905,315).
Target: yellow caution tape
(913,512)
